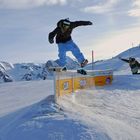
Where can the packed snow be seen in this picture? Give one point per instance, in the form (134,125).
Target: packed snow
(111,112)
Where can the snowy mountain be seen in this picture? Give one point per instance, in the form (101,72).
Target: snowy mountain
(112,112)
(31,71)
(28,71)
(116,64)
(4,67)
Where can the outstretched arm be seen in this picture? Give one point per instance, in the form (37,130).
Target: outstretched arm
(52,35)
(125,60)
(80,23)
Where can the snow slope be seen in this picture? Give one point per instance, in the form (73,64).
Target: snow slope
(112,112)
(116,64)
(28,112)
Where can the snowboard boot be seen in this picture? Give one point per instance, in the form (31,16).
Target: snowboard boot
(64,69)
(84,63)
(82,71)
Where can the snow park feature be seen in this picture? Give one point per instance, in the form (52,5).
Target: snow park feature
(101,77)
(70,81)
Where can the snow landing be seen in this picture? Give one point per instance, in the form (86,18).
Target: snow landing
(28,112)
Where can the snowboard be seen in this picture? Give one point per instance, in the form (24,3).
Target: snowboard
(52,66)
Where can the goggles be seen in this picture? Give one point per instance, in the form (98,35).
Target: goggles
(66,24)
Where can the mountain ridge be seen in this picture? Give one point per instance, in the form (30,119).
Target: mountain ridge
(37,71)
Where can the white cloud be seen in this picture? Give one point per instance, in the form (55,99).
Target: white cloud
(19,4)
(136,3)
(102,7)
(114,43)
(135,11)
(96,9)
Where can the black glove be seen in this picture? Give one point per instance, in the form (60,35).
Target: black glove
(90,23)
(51,40)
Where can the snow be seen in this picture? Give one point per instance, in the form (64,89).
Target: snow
(103,113)
(114,108)
(17,95)
(112,112)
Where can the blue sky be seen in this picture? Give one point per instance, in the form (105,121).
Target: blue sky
(25,24)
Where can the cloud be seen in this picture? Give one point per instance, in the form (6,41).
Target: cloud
(135,11)
(136,3)
(107,6)
(114,43)
(22,4)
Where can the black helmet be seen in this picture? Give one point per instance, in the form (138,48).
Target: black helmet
(63,22)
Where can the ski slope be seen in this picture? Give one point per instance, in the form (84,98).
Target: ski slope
(28,112)
(111,112)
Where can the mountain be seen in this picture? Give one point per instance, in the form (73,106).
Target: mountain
(29,71)
(32,71)
(4,67)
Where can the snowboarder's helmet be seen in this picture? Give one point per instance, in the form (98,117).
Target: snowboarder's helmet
(66,22)
(63,23)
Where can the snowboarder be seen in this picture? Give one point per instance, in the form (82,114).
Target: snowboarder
(65,43)
(133,63)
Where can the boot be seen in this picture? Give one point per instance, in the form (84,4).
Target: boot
(84,63)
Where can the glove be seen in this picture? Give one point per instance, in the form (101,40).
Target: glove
(90,23)
(51,40)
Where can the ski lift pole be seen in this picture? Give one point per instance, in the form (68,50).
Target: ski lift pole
(92,59)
